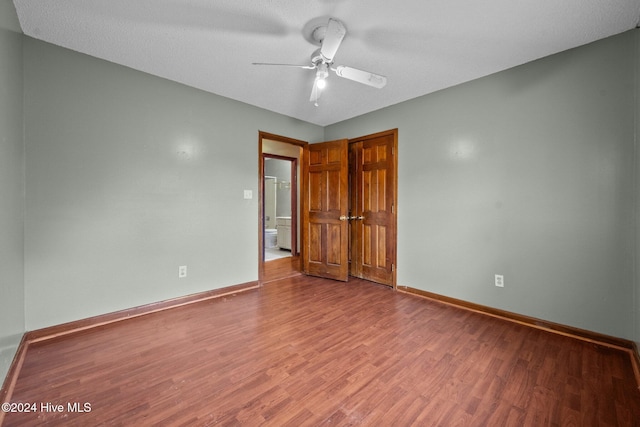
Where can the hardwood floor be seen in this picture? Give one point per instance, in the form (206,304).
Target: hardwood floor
(308,351)
(281,268)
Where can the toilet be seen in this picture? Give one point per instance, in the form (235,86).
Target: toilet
(270,238)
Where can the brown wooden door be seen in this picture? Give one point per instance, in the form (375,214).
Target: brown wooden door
(372,207)
(326,199)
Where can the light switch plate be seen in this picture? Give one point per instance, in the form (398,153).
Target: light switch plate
(248,194)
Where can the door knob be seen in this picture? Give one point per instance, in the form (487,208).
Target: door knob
(344,218)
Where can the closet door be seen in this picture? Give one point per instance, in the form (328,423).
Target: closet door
(326,199)
(372,207)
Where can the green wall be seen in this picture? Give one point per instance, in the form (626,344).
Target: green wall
(527,173)
(130,176)
(11,187)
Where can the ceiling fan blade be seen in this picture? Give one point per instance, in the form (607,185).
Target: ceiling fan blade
(306,67)
(332,39)
(360,76)
(315,92)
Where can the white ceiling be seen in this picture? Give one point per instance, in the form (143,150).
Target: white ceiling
(420,45)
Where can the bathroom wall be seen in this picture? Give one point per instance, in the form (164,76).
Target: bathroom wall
(281,169)
(527,173)
(12,323)
(270,183)
(130,176)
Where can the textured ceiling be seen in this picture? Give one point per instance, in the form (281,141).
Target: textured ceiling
(420,45)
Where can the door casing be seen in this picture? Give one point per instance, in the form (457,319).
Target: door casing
(288,266)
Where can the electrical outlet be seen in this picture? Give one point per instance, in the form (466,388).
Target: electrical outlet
(182,271)
(499,280)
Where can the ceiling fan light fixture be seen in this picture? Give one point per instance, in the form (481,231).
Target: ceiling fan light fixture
(321,75)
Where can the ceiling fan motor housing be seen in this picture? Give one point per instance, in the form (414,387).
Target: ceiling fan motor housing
(315,30)
(318,34)
(317,58)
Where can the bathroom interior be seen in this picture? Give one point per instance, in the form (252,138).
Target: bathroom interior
(279,198)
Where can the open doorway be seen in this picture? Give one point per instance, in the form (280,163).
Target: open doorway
(279,200)
(280,207)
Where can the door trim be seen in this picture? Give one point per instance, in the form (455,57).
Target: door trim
(288,266)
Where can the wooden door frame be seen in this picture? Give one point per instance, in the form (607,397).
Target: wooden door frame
(294,267)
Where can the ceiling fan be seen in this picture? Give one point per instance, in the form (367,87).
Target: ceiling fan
(329,36)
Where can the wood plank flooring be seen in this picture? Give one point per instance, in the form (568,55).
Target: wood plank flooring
(307,351)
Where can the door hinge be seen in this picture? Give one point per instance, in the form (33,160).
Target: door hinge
(393,267)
